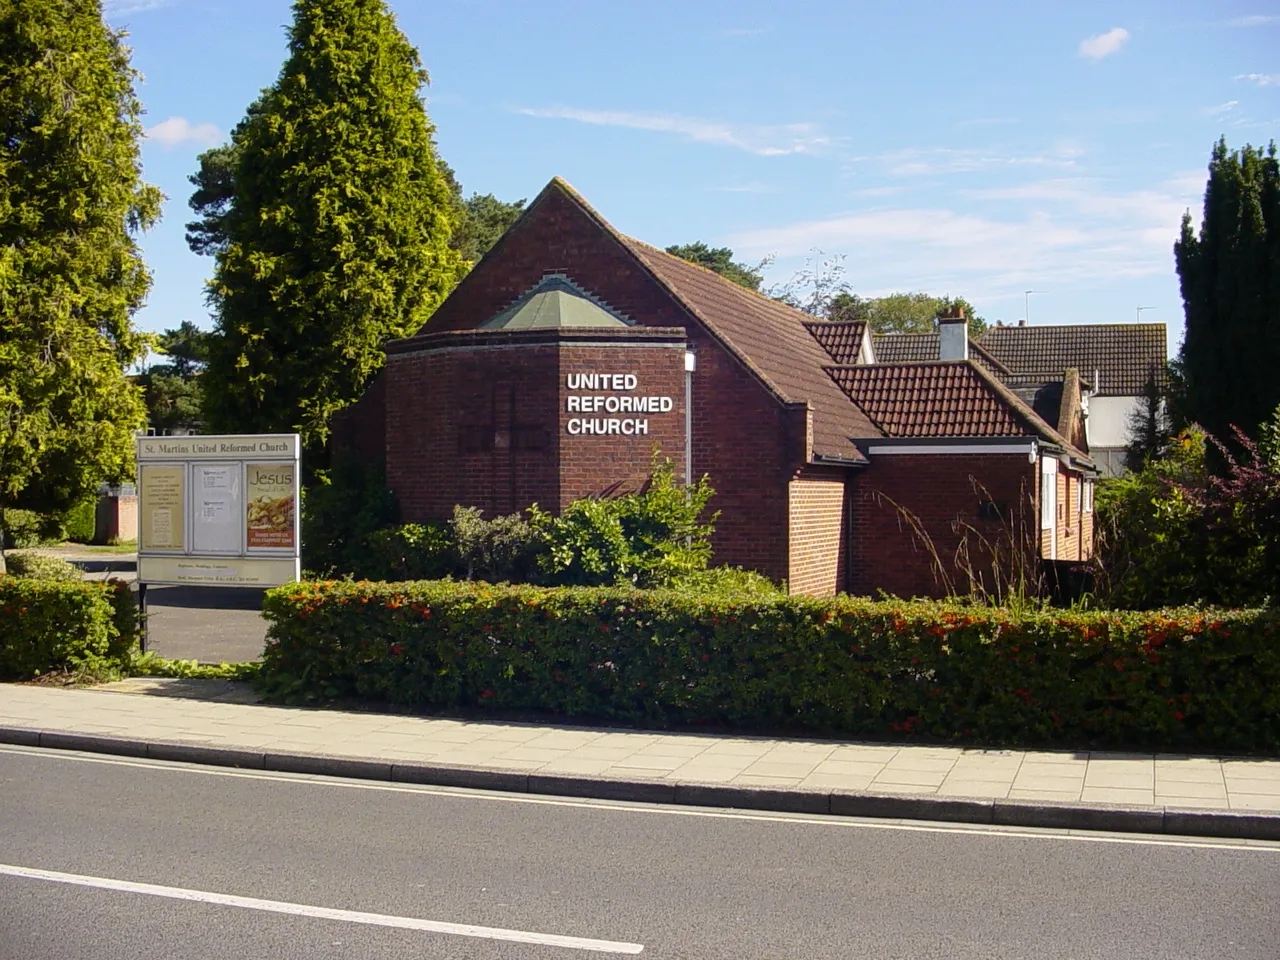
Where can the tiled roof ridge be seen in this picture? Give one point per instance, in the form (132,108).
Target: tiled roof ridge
(1075,326)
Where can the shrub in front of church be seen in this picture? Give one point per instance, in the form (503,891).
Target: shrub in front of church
(409,551)
(50,625)
(1187,679)
(648,538)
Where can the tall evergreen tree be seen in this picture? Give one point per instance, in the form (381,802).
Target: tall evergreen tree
(71,201)
(337,236)
(1230,273)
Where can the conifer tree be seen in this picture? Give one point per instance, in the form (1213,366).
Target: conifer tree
(337,236)
(71,201)
(1230,273)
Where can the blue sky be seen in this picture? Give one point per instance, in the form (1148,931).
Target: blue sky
(974,149)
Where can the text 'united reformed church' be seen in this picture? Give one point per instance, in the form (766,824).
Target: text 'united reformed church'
(610,393)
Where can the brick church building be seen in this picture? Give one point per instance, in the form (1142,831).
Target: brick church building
(570,352)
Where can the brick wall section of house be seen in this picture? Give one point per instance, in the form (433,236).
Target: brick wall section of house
(589,464)
(1073,525)
(476,427)
(818,542)
(741,442)
(939,491)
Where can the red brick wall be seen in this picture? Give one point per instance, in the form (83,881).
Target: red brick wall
(472,427)
(590,463)
(740,442)
(939,491)
(816,561)
(1073,526)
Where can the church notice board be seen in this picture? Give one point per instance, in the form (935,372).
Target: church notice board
(218,511)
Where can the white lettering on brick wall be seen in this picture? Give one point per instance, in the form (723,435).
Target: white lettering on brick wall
(622,398)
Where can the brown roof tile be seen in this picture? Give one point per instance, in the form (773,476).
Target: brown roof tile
(841,340)
(942,399)
(1124,354)
(924,348)
(771,338)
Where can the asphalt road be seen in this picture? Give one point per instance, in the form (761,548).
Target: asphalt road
(681,883)
(209,624)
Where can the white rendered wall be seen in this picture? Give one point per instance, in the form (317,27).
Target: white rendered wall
(1108,422)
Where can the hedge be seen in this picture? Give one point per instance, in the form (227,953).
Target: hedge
(1185,679)
(48,625)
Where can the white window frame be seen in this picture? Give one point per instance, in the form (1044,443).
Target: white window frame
(1049,502)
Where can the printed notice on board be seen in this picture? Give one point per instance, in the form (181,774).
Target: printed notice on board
(271,503)
(216,514)
(160,499)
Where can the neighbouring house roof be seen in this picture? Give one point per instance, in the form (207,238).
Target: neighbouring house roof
(553,303)
(924,348)
(842,340)
(942,399)
(1123,354)
(771,339)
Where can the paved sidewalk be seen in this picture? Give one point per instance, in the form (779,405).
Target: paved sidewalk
(213,723)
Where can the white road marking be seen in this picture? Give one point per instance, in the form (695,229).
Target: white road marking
(667,810)
(324,913)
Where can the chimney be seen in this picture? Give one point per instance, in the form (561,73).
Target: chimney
(953,334)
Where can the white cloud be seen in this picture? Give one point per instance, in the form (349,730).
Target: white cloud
(764,140)
(1253,21)
(1066,232)
(932,161)
(1104,44)
(1261,79)
(1220,109)
(177,131)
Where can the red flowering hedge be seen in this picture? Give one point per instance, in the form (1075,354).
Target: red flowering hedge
(58,624)
(1185,679)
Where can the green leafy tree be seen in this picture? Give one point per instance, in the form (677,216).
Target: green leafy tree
(171,390)
(484,219)
(478,221)
(337,233)
(1230,277)
(71,202)
(902,312)
(720,260)
(187,348)
(1176,532)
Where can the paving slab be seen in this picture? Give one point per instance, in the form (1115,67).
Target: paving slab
(215,722)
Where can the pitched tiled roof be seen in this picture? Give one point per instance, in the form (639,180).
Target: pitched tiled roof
(771,339)
(841,340)
(942,399)
(1124,354)
(923,348)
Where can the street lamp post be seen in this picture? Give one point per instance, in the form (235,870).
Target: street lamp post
(1026,304)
